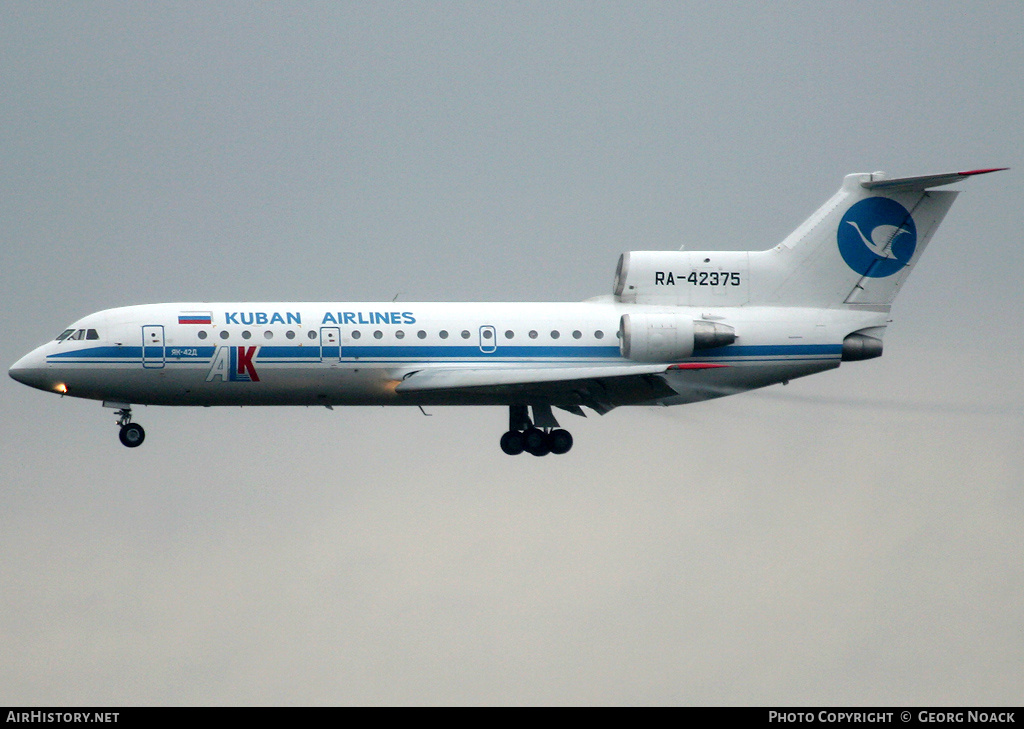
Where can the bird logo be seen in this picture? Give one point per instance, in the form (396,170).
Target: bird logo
(881,238)
(877,237)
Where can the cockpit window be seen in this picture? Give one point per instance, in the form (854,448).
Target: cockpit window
(70,334)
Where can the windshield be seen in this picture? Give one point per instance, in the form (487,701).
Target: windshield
(78,334)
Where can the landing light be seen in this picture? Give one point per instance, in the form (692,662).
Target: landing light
(61,388)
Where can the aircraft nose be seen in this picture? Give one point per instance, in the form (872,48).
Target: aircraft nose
(31,370)
(20,370)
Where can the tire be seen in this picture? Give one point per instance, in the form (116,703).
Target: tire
(536,442)
(513,442)
(560,440)
(132,435)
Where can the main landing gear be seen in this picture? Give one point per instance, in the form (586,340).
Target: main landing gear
(131,434)
(537,437)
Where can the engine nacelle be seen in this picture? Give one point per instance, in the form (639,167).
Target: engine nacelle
(651,337)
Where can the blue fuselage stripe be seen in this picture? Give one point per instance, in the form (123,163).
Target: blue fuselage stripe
(314,353)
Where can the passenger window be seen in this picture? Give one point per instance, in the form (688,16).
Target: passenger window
(487,333)
(465,334)
(577,334)
(421,334)
(399,334)
(356,334)
(554,334)
(268,334)
(224,334)
(443,334)
(290,334)
(378,334)
(533,334)
(202,334)
(509,334)
(246,334)
(312,334)
(598,334)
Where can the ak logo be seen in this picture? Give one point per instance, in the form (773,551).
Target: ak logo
(877,237)
(234,364)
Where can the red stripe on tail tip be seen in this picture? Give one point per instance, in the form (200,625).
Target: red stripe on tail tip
(982,172)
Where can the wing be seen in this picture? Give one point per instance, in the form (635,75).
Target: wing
(598,387)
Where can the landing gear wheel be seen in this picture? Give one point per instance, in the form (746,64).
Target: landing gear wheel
(513,442)
(132,435)
(524,434)
(560,441)
(536,442)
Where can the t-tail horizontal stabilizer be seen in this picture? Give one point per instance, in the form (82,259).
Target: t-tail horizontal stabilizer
(902,184)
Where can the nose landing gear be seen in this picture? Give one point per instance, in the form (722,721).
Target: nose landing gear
(132,434)
(537,437)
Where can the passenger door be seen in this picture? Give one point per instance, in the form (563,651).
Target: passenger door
(330,344)
(153,352)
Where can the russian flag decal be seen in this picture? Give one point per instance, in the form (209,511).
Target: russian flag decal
(195,317)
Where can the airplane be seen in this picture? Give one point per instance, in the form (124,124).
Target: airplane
(679,327)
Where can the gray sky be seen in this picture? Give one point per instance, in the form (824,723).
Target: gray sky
(852,538)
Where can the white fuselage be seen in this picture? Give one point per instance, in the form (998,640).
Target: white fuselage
(359,353)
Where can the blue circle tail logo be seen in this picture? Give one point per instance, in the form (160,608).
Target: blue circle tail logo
(877,237)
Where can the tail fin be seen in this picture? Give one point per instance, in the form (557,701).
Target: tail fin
(859,247)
